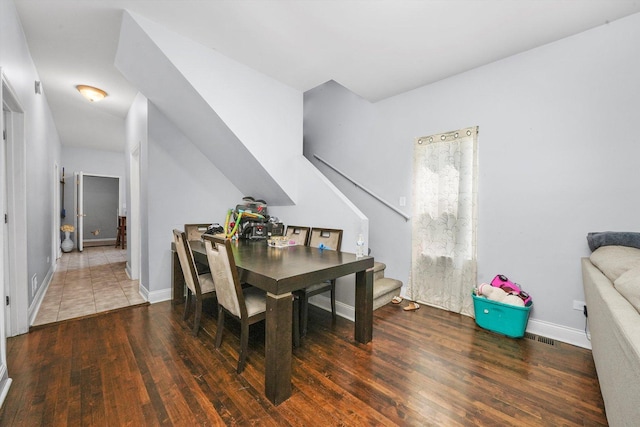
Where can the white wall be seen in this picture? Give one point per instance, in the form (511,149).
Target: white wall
(219,126)
(162,65)
(34,247)
(321,204)
(136,154)
(178,186)
(558,159)
(42,145)
(183,187)
(91,162)
(264,114)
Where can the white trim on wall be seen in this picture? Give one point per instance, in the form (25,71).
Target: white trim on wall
(156,296)
(133,268)
(567,335)
(56,251)
(39,296)
(16,210)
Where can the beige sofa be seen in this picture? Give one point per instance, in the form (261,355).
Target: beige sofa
(611,279)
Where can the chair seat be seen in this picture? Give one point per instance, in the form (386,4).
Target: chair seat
(206,283)
(255,300)
(313,288)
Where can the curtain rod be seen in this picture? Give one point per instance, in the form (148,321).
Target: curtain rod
(369,192)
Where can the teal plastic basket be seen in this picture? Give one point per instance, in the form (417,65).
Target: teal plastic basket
(506,319)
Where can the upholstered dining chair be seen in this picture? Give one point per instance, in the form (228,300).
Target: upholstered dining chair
(327,239)
(298,234)
(248,304)
(199,286)
(194,232)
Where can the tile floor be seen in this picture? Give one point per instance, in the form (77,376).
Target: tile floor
(86,283)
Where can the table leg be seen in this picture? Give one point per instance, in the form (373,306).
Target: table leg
(364,306)
(177,280)
(277,381)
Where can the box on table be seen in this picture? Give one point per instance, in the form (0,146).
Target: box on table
(506,319)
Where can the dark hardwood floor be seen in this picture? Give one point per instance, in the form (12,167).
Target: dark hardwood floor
(141,366)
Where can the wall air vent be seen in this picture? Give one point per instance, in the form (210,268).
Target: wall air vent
(538,338)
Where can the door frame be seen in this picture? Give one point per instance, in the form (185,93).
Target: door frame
(79,208)
(133,226)
(56,250)
(16,315)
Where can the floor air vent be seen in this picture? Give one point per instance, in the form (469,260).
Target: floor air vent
(543,340)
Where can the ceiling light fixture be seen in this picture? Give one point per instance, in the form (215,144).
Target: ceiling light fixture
(93,94)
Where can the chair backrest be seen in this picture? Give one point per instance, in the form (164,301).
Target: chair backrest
(225,275)
(194,231)
(186,261)
(298,234)
(329,238)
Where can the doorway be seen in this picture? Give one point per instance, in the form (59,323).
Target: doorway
(97,209)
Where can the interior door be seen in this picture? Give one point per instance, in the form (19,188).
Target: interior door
(100,206)
(79,209)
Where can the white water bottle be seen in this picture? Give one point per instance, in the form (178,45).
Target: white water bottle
(360,246)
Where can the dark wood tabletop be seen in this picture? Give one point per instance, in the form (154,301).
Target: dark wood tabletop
(286,269)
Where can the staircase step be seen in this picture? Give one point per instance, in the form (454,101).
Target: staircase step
(377,266)
(378,270)
(384,290)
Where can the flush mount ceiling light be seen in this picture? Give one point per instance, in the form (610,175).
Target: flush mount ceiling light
(93,94)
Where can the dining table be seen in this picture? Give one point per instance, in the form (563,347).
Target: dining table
(279,271)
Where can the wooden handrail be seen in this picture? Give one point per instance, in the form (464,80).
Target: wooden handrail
(366,190)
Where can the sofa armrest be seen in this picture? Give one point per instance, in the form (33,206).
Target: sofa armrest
(615,340)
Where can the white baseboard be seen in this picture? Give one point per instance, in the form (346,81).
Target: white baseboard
(156,296)
(5,383)
(39,296)
(343,310)
(565,334)
(143,291)
(96,243)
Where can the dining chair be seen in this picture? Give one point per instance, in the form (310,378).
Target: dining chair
(121,232)
(198,285)
(327,239)
(298,234)
(195,231)
(248,304)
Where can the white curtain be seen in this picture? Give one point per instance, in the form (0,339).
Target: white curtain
(445,176)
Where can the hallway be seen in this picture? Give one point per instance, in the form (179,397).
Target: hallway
(86,283)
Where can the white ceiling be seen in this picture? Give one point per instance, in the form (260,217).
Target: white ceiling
(376,48)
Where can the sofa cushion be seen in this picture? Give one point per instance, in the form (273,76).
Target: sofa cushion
(628,284)
(615,260)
